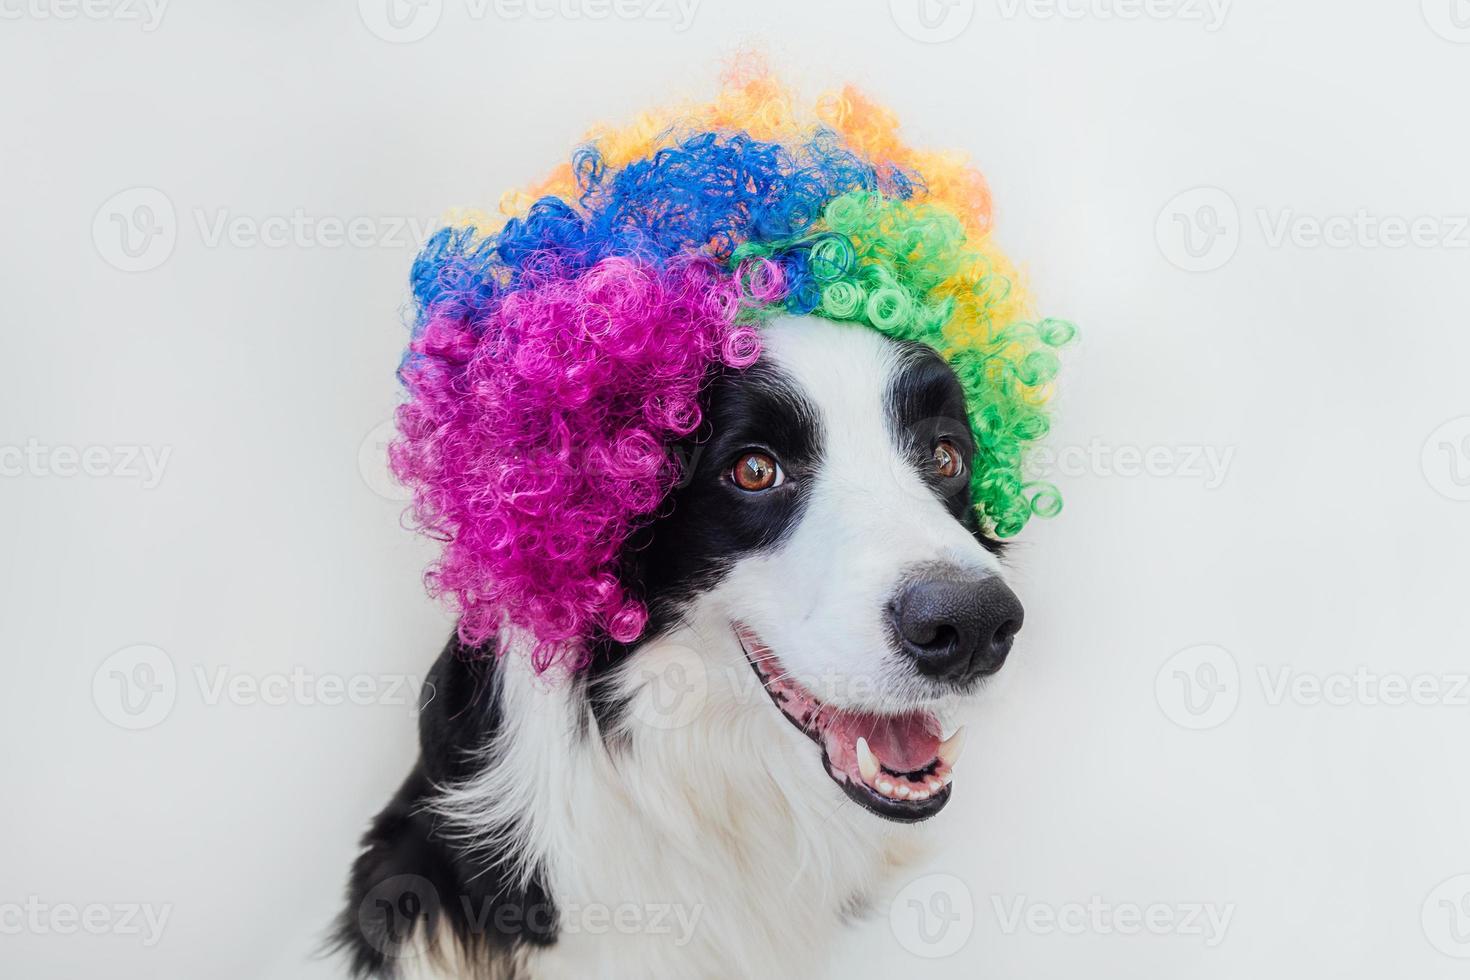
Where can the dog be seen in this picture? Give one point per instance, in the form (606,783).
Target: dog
(721,426)
(725,795)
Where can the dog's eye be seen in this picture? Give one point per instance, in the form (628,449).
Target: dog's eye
(756,471)
(947,460)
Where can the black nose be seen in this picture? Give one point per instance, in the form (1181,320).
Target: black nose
(956,626)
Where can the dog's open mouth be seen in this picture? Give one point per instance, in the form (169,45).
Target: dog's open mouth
(895,765)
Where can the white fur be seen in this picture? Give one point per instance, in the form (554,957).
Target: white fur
(711,806)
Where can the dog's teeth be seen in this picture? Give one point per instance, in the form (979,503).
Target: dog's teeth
(935,785)
(867,763)
(950,748)
(919,795)
(886,788)
(902,791)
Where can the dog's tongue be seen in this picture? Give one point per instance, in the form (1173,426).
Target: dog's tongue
(902,743)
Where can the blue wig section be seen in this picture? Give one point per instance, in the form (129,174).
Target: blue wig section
(707,194)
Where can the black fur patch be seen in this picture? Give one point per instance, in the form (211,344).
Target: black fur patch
(925,405)
(708,523)
(410,882)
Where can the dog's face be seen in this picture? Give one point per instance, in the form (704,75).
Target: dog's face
(826,527)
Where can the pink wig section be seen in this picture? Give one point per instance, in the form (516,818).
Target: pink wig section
(538,429)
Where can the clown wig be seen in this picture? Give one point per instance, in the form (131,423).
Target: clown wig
(559,350)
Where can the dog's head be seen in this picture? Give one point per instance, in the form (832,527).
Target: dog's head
(762,378)
(826,526)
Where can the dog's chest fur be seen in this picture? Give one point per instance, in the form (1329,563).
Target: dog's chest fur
(688,842)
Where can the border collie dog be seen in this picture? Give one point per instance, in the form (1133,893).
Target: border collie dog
(722,796)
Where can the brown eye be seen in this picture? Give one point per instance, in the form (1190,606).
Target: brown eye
(756,471)
(947,460)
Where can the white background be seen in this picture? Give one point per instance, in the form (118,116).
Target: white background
(1332,541)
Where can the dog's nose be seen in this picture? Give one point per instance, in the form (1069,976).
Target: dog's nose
(956,626)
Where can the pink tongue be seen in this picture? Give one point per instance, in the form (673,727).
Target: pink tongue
(902,743)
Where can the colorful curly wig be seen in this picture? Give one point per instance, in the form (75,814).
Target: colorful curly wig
(560,350)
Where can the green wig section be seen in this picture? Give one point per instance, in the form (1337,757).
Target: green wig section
(906,270)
